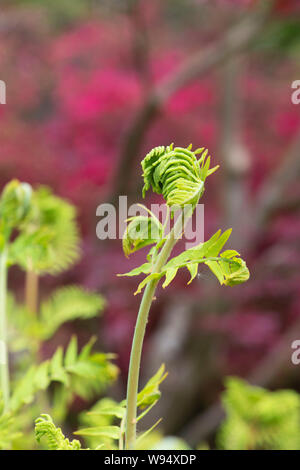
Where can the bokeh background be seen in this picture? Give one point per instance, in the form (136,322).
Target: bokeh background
(92,86)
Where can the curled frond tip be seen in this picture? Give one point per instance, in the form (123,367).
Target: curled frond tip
(176,173)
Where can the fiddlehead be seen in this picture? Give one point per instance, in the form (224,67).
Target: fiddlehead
(45,428)
(176,174)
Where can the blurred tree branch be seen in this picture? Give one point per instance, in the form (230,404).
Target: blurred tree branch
(238,38)
(272,193)
(234,196)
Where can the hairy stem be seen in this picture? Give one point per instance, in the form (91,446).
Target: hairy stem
(139,333)
(4,372)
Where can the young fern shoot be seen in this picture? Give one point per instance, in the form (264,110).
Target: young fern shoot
(14,207)
(178,175)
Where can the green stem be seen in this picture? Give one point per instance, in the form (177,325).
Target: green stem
(4,371)
(139,333)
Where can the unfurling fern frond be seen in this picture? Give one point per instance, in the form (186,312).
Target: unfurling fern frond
(49,243)
(54,438)
(176,174)
(15,202)
(83,374)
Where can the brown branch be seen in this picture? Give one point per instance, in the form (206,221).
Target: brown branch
(234,195)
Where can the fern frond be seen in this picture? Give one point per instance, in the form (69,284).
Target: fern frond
(15,204)
(176,174)
(55,439)
(104,414)
(227,266)
(49,243)
(83,374)
(259,419)
(100,421)
(67,304)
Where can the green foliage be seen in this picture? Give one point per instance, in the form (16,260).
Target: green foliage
(141,231)
(39,233)
(83,374)
(8,428)
(228,267)
(53,436)
(15,204)
(150,394)
(179,176)
(103,416)
(259,419)
(67,304)
(176,174)
(49,242)
(101,429)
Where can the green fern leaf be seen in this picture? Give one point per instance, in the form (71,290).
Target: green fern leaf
(53,436)
(67,304)
(83,374)
(228,267)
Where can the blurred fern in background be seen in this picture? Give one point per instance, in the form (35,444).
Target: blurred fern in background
(259,419)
